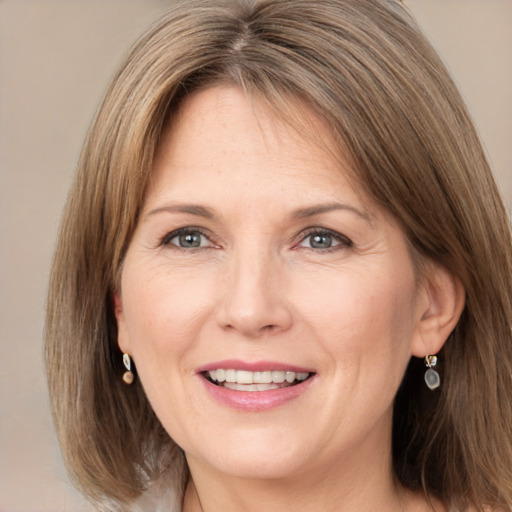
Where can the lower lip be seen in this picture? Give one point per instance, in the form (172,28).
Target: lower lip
(252,401)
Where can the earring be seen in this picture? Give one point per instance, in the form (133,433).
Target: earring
(432,378)
(128,375)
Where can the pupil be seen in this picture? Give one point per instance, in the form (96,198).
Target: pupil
(321,241)
(190,240)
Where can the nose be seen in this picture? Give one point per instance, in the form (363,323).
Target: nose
(254,301)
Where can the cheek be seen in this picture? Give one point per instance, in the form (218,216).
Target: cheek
(163,309)
(163,318)
(363,318)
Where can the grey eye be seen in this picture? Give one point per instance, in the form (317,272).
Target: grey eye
(188,240)
(320,241)
(323,240)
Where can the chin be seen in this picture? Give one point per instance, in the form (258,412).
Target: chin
(253,460)
(259,469)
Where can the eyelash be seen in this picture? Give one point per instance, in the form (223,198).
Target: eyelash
(343,242)
(166,240)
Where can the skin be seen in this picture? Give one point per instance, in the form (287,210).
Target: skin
(258,288)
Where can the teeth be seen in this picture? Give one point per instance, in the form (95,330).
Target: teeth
(278,377)
(261,377)
(250,387)
(231,378)
(244,377)
(289,376)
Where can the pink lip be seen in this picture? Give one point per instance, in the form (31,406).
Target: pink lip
(253,401)
(256,366)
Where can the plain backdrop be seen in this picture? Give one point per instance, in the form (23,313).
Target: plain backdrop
(56,57)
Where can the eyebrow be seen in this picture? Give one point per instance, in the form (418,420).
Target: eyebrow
(193,209)
(311,211)
(301,213)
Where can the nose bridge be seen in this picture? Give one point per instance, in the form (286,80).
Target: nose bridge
(253,300)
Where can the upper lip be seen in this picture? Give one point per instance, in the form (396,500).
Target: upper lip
(253,366)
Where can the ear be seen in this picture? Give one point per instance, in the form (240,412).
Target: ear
(441,302)
(123,339)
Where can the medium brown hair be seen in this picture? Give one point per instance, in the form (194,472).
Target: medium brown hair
(367,71)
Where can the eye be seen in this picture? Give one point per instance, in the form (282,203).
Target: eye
(187,238)
(324,240)
(320,241)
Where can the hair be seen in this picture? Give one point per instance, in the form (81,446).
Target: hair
(369,73)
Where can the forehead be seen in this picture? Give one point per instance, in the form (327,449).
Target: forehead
(229,109)
(220,134)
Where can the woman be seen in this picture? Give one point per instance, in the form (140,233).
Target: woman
(283,275)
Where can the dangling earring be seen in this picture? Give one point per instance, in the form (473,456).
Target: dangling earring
(432,378)
(128,375)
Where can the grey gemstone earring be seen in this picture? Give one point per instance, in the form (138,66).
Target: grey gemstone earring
(128,375)
(432,378)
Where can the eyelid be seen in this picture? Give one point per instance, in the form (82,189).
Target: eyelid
(166,240)
(343,240)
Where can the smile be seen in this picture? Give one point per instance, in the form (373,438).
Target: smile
(244,380)
(255,386)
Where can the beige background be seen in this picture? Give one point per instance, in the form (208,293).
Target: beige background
(55,59)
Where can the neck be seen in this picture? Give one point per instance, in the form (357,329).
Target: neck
(401,500)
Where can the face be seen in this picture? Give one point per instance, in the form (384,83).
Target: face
(270,308)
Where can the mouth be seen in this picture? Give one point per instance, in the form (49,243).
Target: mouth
(249,381)
(255,386)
